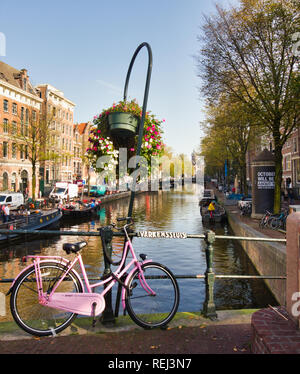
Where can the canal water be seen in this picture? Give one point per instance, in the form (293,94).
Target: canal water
(176,211)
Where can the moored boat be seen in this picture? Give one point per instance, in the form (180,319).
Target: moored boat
(37,220)
(80,210)
(218,215)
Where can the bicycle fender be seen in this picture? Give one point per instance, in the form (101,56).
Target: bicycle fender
(127,280)
(63,262)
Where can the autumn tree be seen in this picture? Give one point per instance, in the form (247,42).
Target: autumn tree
(249,52)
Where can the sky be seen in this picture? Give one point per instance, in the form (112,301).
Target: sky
(84,49)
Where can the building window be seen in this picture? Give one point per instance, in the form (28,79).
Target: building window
(5,125)
(22,151)
(295,144)
(5,105)
(5,181)
(22,114)
(14,150)
(5,149)
(24,84)
(15,109)
(14,127)
(27,117)
(14,182)
(288,162)
(34,115)
(26,152)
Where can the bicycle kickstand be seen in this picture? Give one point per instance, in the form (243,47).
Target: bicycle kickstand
(93,314)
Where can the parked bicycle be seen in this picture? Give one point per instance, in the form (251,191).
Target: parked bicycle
(273,221)
(279,221)
(265,220)
(48,295)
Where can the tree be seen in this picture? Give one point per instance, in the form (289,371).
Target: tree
(34,136)
(237,130)
(249,52)
(214,151)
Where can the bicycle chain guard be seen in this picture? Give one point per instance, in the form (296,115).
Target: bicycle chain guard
(87,304)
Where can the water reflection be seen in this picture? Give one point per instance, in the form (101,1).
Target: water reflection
(164,211)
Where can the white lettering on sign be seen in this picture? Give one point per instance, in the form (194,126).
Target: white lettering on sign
(162,234)
(265,180)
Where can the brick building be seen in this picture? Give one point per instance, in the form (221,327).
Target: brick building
(291,163)
(87,173)
(19,104)
(59,112)
(63,148)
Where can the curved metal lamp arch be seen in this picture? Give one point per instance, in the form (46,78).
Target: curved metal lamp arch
(146,94)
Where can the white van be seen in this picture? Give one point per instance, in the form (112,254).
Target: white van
(63,191)
(15,199)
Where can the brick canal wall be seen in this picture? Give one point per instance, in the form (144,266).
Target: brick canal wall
(268,258)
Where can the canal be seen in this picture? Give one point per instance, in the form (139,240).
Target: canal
(175,210)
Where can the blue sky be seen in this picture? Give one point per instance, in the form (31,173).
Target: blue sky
(84,48)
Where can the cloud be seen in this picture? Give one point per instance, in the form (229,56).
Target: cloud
(111,87)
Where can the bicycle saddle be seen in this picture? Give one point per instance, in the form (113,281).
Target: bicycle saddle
(73,247)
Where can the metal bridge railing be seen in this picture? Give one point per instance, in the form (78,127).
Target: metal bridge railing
(209,308)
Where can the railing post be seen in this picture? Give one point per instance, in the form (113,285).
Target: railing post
(107,317)
(209,308)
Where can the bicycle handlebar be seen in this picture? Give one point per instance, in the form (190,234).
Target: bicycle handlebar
(106,236)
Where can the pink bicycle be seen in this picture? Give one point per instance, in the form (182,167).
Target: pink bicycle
(49,294)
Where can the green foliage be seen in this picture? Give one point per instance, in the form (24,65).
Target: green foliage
(102,143)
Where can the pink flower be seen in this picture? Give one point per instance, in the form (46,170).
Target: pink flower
(98,131)
(132,149)
(157,146)
(148,146)
(164,120)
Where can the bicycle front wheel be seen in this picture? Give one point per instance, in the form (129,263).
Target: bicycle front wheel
(154,303)
(29,314)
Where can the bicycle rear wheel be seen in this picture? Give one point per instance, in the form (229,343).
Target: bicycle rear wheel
(148,310)
(29,314)
(275,223)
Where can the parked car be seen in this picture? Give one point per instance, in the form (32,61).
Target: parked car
(245,201)
(97,191)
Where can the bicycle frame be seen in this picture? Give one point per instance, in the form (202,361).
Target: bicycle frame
(86,303)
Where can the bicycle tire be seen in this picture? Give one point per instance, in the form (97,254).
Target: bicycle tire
(29,314)
(262,222)
(274,224)
(160,308)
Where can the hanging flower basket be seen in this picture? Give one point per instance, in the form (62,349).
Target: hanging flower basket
(124,125)
(112,127)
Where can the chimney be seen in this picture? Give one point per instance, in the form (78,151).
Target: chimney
(24,79)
